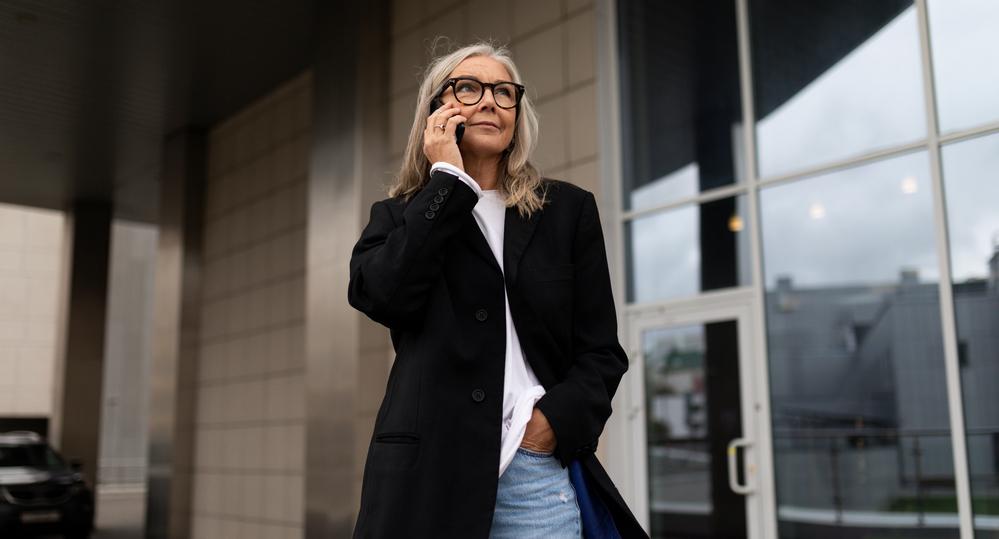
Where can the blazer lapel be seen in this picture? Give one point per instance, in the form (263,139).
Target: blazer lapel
(472,236)
(517,232)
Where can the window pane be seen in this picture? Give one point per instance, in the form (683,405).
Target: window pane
(860,418)
(965,39)
(691,249)
(677,421)
(833,80)
(971,181)
(680,106)
(693,410)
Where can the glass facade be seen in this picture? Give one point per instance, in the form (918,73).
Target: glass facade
(856,360)
(693,409)
(971,180)
(680,108)
(682,130)
(965,39)
(833,82)
(864,218)
(682,251)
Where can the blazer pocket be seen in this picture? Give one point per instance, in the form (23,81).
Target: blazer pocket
(397,438)
(395,451)
(557,272)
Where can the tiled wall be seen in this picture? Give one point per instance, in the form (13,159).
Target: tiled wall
(250,405)
(553,44)
(31,243)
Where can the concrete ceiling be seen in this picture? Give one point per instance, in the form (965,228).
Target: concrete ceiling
(89,89)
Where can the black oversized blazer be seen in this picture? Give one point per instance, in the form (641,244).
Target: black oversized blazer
(423,269)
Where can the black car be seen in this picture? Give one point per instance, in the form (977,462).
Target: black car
(40,493)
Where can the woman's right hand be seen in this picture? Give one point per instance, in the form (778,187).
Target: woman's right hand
(439,144)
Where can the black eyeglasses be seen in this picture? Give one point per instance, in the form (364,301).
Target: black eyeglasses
(469,91)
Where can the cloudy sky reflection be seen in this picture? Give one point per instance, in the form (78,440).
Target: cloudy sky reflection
(971,181)
(965,58)
(871,98)
(860,226)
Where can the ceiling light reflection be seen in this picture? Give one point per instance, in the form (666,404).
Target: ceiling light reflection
(817,211)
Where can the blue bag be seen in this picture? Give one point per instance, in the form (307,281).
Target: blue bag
(597,520)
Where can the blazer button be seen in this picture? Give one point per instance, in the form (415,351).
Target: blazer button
(430,215)
(481,315)
(435,206)
(442,191)
(438,199)
(478,395)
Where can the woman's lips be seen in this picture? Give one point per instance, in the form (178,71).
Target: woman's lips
(486,124)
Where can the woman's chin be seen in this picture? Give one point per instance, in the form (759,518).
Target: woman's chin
(479,147)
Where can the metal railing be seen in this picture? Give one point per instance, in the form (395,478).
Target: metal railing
(912,470)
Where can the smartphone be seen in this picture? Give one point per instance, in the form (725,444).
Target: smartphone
(458,131)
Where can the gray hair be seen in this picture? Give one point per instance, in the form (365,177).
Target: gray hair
(519,178)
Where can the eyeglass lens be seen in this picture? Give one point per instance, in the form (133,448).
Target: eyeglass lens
(469,92)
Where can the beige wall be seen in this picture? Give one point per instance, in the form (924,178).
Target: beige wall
(249,439)
(554,45)
(31,243)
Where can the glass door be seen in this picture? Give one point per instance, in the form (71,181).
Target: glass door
(695,466)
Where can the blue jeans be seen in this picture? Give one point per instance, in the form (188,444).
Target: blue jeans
(535,500)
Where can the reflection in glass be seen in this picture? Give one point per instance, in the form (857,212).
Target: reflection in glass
(680,99)
(833,81)
(971,183)
(676,404)
(965,39)
(693,411)
(860,416)
(683,251)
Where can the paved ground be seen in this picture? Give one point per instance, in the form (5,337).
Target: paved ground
(120,514)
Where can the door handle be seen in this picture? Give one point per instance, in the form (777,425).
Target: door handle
(733,468)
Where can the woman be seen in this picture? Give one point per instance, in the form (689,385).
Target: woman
(494,284)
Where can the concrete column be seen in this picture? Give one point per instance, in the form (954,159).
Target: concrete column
(76,418)
(176,332)
(347,173)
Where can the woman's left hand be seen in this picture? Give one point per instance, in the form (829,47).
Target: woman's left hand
(539,436)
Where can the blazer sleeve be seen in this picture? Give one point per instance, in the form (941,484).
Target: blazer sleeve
(394,264)
(578,407)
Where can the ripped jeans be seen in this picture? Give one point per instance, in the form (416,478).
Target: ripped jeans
(535,500)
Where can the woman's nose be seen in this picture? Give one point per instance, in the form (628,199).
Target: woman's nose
(487,93)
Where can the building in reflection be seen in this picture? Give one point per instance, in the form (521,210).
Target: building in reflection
(869,432)
(797,200)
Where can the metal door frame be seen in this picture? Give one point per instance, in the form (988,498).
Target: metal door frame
(627,452)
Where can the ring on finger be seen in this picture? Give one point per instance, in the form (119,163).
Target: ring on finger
(440,126)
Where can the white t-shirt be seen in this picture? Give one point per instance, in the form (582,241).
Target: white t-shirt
(521,389)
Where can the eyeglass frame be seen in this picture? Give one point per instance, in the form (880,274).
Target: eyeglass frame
(449,83)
